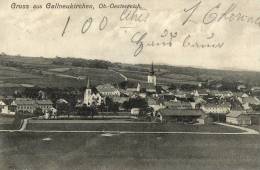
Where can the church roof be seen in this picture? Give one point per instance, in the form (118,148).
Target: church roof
(106,88)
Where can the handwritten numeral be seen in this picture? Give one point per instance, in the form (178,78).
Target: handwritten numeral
(66,25)
(192,9)
(86,25)
(103,23)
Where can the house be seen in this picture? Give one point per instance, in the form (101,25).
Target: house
(24,105)
(217,112)
(29,105)
(198,101)
(241,87)
(45,105)
(108,90)
(2,104)
(222,94)
(201,92)
(247,102)
(135,111)
(172,115)
(255,89)
(154,104)
(238,117)
(216,108)
(255,117)
(133,87)
(4,109)
(180,94)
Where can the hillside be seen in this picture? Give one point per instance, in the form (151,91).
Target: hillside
(18,71)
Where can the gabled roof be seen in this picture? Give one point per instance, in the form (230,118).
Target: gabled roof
(210,105)
(24,101)
(235,113)
(106,88)
(251,100)
(132,84)
(172,112)
(62,101)
(2,103)
(178,104)
(44,102)
(120,99)
(199,100)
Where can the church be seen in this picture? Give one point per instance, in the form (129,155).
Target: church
(151,78)
(90,97)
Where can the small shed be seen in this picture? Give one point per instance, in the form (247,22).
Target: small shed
(238,117)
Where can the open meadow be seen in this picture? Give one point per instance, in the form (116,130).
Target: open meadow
(90,151)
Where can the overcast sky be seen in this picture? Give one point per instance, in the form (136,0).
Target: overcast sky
(38,33)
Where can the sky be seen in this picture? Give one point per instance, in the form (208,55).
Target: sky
(38,32)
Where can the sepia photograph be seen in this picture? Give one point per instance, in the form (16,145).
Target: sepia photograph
(130,85)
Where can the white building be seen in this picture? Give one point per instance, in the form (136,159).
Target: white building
(91,98)
(108,90)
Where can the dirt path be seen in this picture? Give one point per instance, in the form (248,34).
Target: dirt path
(248,130)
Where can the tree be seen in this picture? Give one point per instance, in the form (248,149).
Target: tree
(112,106)
(83,110)
(38,112)
(137,103)
(63,108)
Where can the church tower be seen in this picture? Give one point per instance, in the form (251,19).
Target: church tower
(151,76)
(87,95)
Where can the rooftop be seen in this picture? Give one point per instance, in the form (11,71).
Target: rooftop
(173,112)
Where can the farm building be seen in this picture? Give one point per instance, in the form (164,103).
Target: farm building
(173,115)
(238,117)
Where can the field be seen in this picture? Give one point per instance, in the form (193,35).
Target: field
(6,122)
(78,125)
(85,151)
(119,151)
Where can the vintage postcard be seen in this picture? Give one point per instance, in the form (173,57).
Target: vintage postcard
(130,85)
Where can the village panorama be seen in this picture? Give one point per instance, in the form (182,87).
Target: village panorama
(102,112)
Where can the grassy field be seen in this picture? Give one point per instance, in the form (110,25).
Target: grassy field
(143,127)
(77,151)
(6,122)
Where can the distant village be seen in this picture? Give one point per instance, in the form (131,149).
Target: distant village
(150,101)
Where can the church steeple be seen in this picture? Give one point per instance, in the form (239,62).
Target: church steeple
(151,78)
(88,84)
(152,70)
(88,94)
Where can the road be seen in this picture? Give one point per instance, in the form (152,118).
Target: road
(122,75)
